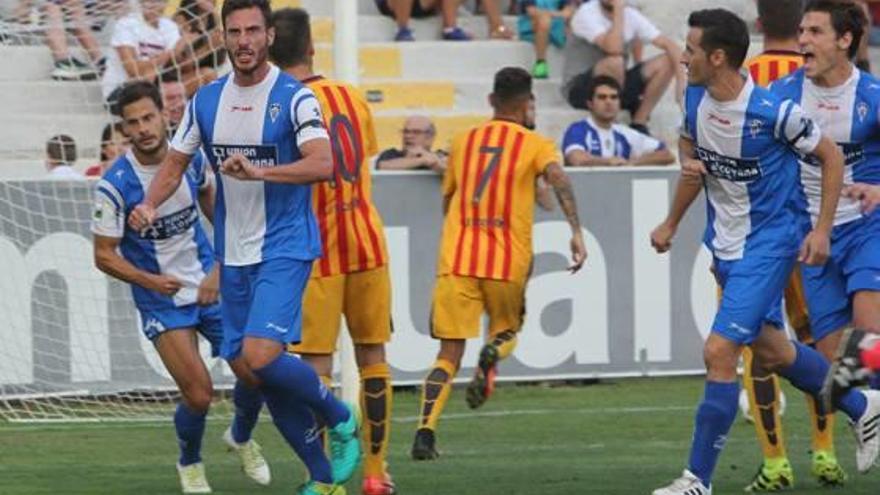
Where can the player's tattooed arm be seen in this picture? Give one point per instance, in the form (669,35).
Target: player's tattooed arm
(109,261)
(561,184)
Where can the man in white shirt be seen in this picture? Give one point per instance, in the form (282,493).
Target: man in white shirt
(60,158)
(603,33)
(599,141)
(143,44)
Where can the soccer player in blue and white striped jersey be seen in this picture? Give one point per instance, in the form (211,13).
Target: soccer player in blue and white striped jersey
(744,142)
(264,136)
(173,277)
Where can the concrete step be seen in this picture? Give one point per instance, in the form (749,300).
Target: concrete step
(51,97)
(378,28)
(26,134)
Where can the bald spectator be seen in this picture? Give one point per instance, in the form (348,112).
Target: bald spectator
(418,139)
(173,103)
(61,157)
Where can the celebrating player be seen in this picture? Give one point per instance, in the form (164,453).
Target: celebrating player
(264,135)
(486,247)
(780,20)
(743,139)
(352,276)
(173,278)
(845,104)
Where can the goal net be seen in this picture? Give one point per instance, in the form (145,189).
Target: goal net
(71,346)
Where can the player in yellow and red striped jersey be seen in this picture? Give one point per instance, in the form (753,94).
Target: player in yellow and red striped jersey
(486,247)
(780,21)
(351,278)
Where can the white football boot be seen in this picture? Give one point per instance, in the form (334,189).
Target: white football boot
(192,478)
(253,463)
(688,484)
(867,432)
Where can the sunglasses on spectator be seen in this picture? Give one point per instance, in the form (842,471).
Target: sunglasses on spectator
(415,131)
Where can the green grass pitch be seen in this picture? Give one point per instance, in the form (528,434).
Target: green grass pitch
(617,437)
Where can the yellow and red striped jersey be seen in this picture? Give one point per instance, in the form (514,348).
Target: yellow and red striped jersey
(772,65)
(351,229)
(490,189)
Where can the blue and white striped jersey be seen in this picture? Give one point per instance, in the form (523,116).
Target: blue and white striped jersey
(618,141)
(174,245)
(267,123)
(750,147)
(850,115)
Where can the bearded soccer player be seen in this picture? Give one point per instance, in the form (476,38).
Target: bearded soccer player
(780,20)
(486,246)
(265,138)
(351,278)
(742,144)
(174,280)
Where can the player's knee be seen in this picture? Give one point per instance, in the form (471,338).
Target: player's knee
(369,354)
(770,357)
(720,360)
(199,398)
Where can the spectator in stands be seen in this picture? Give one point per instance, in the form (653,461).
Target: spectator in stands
(199,19)
(598,140)
(874,31)
(173,103)
(61,157)
(113,144)
(604,31)
(415,154)
(60,16)
(144,44)
(403,10)
(543,22)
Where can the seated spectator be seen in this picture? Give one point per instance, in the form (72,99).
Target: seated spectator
(173,103)
(143,45)
(403,10)
(418,137)
(598,140)
(113,144)
(199,19)
(61,157)
(59,17)
(603,32)
(543,22)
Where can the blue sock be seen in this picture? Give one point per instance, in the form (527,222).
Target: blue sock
(190,427)
(807,373)
(875,381)
(291,376)
(248,402)
(297,425)
(715,416)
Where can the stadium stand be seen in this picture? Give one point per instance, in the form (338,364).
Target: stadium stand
(447,80)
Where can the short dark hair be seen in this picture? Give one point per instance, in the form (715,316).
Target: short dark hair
(602,80)
(293,36)
(780,19)
(136,91)
(722,30)
(61,148)
(511,84)
(230,6)
(846,17)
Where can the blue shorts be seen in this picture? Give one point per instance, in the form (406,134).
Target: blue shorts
(557,30)
(205,319)
(751,296)
(262,300)
(854,265)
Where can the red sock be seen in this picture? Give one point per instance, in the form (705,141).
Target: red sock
(871,357)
